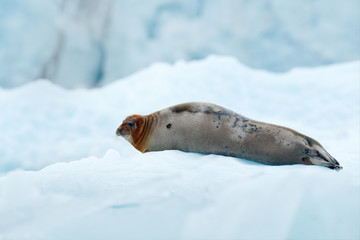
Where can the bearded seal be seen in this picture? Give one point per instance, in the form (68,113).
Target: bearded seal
(211,129)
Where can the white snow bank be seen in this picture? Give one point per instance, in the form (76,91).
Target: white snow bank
(123,194)
(176,195)
(42,124)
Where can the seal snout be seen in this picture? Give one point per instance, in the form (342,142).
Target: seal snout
(123,130)
(119,131)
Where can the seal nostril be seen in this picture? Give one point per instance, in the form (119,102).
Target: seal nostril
(168,126)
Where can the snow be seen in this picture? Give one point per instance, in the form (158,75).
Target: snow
(65,176)
(106,40)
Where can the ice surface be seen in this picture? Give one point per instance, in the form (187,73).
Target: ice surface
(176,195)
(65,175)
(105,40)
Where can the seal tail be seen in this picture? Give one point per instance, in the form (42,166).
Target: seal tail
(336,166)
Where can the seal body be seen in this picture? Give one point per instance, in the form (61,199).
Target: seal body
(211,129)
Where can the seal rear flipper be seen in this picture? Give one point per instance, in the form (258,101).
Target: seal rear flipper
(322,158)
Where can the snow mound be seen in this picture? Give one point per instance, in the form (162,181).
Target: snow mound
(46,192)
(176,195)
(43,124)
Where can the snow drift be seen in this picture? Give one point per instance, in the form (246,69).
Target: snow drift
(65,176)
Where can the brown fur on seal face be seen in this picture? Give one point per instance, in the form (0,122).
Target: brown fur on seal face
(212,129)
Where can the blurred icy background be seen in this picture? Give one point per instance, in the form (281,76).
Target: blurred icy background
(63,174)
(90,43)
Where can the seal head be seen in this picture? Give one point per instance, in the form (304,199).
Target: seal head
(135,129)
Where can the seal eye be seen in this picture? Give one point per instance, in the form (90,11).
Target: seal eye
(306,151)
(130,124)
(168,126)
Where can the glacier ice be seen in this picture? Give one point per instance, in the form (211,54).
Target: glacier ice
(85,43)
